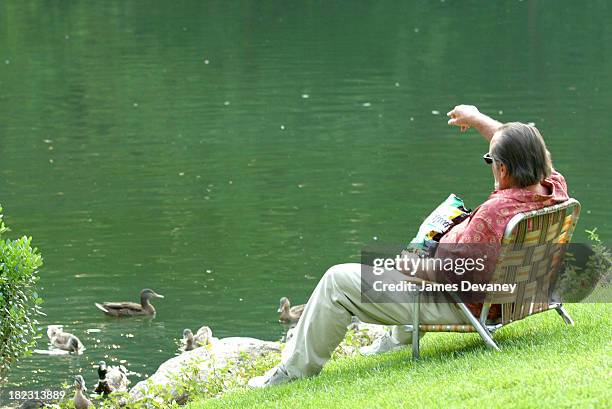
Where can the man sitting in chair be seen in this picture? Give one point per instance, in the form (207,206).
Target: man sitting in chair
(524,181)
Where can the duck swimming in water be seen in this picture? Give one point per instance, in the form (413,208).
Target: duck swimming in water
(287,313)
(111,379)
(202,337)
(64,340)
(80,400)
(131,309)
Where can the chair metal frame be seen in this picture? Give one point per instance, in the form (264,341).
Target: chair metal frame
(480,325)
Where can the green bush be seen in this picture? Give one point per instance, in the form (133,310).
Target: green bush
(19,301)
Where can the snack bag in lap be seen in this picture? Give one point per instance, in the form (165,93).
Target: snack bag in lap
(450,213)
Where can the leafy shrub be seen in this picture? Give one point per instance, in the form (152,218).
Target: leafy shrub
(19,301)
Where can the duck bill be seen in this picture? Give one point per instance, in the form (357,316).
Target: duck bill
(159,296)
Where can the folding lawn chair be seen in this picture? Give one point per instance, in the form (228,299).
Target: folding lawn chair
(525,259)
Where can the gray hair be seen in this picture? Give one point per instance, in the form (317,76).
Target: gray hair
(522,149)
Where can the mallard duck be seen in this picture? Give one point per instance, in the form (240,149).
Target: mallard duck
(202,337)
(80,400)
(130,309)
(111,379)
(64,340)
(287,313)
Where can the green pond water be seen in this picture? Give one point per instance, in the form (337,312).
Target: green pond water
(226,154)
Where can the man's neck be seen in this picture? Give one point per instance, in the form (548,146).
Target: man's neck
(539,189)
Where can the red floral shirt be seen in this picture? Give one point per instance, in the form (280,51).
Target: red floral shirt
(488,222)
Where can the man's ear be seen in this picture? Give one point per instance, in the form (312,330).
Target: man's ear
(503,170)
(505,175)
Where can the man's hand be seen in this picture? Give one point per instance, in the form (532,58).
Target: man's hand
(412,265)
(464,116)
(468,116)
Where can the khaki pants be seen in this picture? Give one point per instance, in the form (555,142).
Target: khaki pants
(330,308)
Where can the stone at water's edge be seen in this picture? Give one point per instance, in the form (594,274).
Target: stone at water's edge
(220,354)
(226,354)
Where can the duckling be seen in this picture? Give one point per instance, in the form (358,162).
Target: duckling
(80,400)
(64,340)
(287,313)
(188,341)
(111,379)
(202,337)
(130,309)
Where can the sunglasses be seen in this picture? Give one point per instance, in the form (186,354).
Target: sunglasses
(487,158)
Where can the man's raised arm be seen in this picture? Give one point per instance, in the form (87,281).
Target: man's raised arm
(468,116)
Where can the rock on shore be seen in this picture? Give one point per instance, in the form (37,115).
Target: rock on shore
(201,363)
(226,354)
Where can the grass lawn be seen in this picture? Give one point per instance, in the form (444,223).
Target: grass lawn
(543,364)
